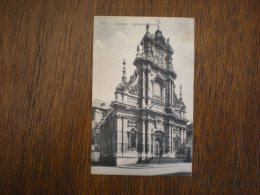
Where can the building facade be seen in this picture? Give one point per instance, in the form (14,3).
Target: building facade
(100,111)
(146,118)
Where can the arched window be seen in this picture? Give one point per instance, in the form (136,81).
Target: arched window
(132,139)
(158,91)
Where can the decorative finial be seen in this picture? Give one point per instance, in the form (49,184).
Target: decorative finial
(168,40)
(124,72)
(138,49)
(180,93)
(147,27)
(158,21)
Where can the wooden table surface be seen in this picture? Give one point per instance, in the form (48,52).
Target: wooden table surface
(45,97)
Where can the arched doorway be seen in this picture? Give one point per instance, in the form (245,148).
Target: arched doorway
(177,143)
(157,146)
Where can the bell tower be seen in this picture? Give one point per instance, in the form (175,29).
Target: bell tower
(154,63)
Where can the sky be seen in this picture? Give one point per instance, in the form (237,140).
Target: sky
(116,38)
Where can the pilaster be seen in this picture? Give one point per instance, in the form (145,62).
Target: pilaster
(143,88)
(149,87)
(143,136)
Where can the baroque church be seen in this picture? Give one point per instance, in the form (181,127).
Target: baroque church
(146,119)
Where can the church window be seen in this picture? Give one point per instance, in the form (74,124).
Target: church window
(158,91)
(132,139)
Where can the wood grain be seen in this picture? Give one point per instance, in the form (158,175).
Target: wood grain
(45,97)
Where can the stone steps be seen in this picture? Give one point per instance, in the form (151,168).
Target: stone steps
(164,160)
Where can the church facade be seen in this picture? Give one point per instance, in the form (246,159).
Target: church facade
(146,118)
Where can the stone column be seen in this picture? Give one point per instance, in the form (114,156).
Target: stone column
(149,144)
(166,140)
(181,136)
(143,87)
(152,144)
(146,137)
(173,143)
(140,138)
(184,136)
(149,91)
(170,92)
(136,140)
(163,93)
(169,140)
(164,144)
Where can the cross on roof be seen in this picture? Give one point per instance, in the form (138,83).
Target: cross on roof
(158,21)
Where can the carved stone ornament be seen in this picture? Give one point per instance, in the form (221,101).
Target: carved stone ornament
(133,89)
(180,105)
(159,124)
(133,84)
(159,57)
(121,87)
(132,123)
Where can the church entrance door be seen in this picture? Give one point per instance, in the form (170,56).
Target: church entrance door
(157,147)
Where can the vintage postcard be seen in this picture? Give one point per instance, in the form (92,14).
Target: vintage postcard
(142,100)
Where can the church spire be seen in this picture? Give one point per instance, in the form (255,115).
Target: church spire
(180,93)
(124,72)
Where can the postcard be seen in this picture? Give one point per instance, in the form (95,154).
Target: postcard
(142,96)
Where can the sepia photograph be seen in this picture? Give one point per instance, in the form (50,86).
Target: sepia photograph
(142,96)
